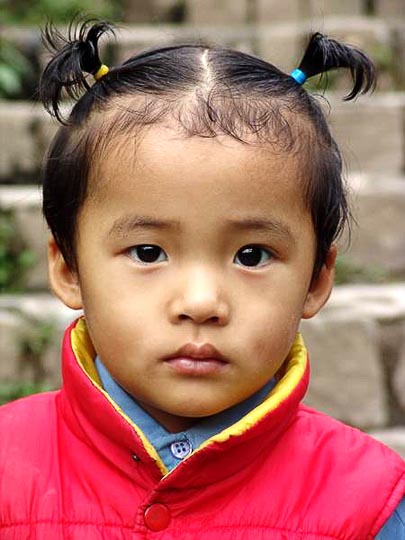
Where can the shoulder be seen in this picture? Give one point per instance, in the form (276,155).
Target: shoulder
(354,467)
(16,411)
(346,442)
(22,423)
(28,453)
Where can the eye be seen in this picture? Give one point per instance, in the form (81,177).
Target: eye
(147,254)
(253,256)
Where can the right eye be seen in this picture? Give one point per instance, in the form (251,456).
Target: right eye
(147,254)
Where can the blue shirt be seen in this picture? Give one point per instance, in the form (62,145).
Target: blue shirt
(174,447)
(394,529)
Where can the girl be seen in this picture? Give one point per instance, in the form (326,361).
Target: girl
(193,195)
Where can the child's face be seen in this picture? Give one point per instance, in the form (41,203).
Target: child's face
(204,204)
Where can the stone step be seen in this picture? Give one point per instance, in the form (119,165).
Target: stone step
(357,351)
(270,11)
(25,133)
(279,42)
(370,132)
(356,345)
(378,240)
(378,206)
(20,211)
(229,11)
(240,12)
(31,328)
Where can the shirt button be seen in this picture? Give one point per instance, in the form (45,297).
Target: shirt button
(181,449)
(157,517)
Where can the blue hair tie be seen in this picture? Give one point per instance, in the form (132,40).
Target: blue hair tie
(298,75)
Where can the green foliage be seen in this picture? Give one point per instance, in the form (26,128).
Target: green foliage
(35,344)
(15,259)
(323,82)
(36,12)
(348,272)
(14,69)
(177,12)
(18,70)
(389,72)
(10,392)
(383,57)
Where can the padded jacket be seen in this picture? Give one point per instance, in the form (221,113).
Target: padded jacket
(74,466)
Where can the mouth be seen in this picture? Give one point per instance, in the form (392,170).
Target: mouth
(192,359)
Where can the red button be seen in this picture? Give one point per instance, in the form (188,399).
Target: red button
(157,517)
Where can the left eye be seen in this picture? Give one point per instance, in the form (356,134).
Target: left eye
(147,254)
(253,256)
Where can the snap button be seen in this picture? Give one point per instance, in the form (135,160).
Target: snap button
(181,449)
(157,517)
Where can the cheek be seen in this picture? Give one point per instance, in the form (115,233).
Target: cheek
(118,340)
(272,325)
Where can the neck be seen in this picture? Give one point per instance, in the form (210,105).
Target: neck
(171,422)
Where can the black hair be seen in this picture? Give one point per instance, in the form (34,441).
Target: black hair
(210,90)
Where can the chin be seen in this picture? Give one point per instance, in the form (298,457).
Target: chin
(200,411)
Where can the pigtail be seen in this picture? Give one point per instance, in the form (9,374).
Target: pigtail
(75,56)
(323,54)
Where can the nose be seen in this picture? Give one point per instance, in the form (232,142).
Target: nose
(200,298)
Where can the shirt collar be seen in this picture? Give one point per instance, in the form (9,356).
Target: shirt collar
(162,439)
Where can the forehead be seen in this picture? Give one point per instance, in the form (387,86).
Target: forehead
(159,160)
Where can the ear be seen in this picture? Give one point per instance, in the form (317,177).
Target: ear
(64,281)
(321,287)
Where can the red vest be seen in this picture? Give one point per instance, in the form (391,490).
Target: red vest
(73,466)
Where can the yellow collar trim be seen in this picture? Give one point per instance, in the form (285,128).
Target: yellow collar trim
(295,366)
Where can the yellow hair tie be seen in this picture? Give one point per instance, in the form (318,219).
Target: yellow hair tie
(102,70)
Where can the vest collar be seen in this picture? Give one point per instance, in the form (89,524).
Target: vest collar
(95,418)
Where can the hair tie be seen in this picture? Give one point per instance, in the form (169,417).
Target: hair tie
(102,70)
(298,75)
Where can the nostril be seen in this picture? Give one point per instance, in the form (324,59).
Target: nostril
(200,320)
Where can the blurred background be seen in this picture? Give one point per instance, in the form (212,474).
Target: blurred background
(357,343)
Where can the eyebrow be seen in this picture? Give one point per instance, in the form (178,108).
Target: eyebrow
(273,226)
(126,224)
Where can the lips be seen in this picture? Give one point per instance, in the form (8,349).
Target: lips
(192,359)
(199,352)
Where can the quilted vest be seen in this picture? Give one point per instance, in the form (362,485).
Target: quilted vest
(73,466)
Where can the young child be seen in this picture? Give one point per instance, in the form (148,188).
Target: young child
(194,196)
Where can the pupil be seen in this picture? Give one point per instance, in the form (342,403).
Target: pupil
(250,256)
(148,253)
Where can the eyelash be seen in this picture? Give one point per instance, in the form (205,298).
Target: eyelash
(250,247)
